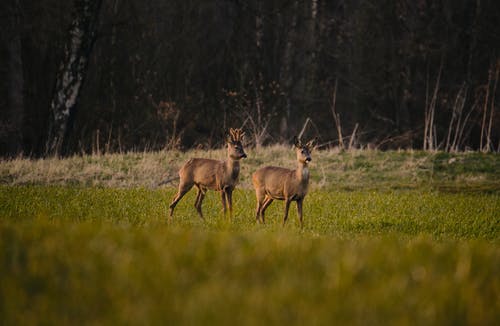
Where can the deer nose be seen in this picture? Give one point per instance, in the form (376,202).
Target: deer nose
(308,159)
(243,155)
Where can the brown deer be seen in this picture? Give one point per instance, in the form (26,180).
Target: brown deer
(272,182)
(212,174)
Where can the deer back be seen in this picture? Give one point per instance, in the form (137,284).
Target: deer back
(201,171)
(210,174)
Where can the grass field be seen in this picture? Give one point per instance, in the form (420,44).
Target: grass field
(389,238)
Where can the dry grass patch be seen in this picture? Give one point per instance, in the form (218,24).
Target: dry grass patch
(330,169)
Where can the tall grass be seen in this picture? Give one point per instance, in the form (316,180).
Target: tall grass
(157,275)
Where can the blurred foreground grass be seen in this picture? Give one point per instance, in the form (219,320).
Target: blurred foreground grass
(106,255)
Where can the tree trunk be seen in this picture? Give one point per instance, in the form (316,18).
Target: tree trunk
(286,73)
(72,72)
(14,123)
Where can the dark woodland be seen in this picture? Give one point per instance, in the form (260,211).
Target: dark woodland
(87,76)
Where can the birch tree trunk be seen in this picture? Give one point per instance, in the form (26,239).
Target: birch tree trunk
(72,72)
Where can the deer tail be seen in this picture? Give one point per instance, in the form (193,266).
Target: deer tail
(167,181)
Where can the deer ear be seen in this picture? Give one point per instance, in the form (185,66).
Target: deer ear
(230,136)
(296,141)
(310,144)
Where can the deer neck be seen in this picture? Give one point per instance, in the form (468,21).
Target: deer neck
(233,167)
(302,172)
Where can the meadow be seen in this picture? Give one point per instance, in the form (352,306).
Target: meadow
(401,237)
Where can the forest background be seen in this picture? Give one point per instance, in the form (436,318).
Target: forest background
(88,76)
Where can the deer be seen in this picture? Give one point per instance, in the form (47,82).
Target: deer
(216,175)
(272,182)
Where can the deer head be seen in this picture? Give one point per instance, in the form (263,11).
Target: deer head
(303,150)
(234,144)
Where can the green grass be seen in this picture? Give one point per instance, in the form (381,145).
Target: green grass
(107,255)
(401,237)
(340,213)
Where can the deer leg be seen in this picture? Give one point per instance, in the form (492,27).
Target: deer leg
(183,189)
(259,214)
(265,205)
(229,195)
(199,199)
(260,201)
(287,207)
(223,197)
(257,211)
(299,211)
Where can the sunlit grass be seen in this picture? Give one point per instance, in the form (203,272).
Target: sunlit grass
(339,213)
